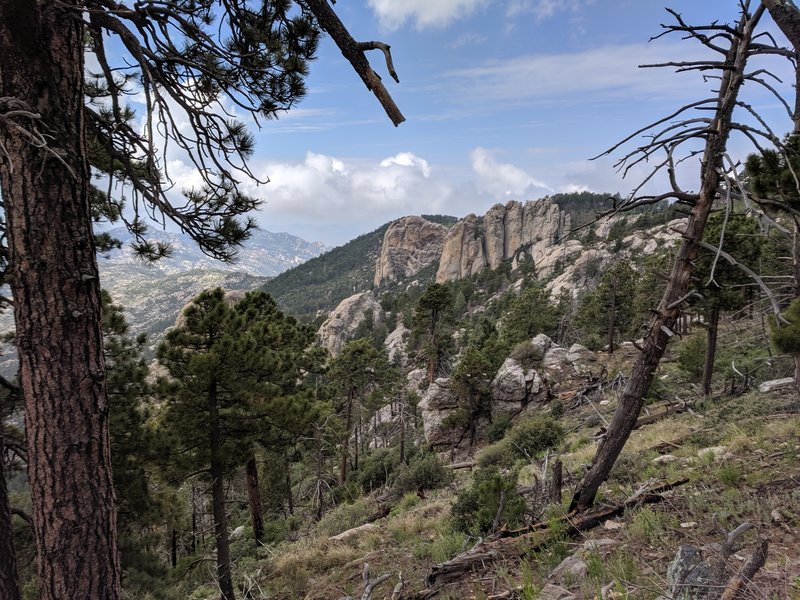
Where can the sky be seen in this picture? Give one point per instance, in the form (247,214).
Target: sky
(503,99)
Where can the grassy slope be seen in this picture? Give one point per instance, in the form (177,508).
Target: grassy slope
(752,471)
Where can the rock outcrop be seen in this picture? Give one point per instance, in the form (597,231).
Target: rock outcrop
(395,344)
(409,245)
(436,405)
(473,244)
(462,253)
(343,322)
(547,371)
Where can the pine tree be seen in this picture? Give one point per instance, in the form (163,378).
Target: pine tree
(719,283)
(235,371)
(530,313)
(186,59)
(357,371)
(432,316)
(606,311)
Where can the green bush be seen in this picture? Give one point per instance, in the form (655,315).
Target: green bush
(378,468)
(425,472)
(501,454)
(476,507)
(344,517)
(497,429)
(535,435)
(691,354)
(527,354)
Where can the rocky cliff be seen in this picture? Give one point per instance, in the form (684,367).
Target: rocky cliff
(474,244)
(409,245)
(343,322)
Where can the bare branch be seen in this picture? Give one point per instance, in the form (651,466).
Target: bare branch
(353,52)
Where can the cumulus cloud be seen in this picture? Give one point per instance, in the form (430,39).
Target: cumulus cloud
(504,180)
(326,192)
(392,14)
(333,199)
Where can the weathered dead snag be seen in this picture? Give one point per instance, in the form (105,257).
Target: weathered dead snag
(691,577)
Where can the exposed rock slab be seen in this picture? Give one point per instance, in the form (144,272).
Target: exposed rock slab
(409,245)
(343,322)
(506,230)
(437,404)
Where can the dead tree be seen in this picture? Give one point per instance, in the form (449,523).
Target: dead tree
(669,143)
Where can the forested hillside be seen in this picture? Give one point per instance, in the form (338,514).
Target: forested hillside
(567,396)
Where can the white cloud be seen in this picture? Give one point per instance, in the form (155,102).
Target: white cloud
(504,180)
(407,159)
(324,189)
(544,9)
(424,13)
(612,70)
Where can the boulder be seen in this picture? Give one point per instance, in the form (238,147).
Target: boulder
(343,322)
(395,343)
(512,388)
(583,359)
(573,568)
(409,245)
(775,384)
(439,402)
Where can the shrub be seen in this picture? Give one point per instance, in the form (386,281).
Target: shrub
(497,429)
(425,472)
(378,467)
(501,454)
(476,507)
(527,354)
(534,435)
(344,517)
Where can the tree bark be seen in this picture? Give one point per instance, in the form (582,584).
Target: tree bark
(254,499)
(787,18)
(173,549)
(612,318)
(54,281)
(9,582)
(224,578)
(663,320)
(711,349)
(346,444)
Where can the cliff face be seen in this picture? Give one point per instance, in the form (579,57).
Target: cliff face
(409,245)
(472,245)
(343,322)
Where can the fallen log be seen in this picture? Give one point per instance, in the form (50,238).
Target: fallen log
(504,544)
(461,465)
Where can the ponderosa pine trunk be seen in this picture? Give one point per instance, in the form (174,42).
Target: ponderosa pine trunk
(9,581)
(343,457)
(54,281)
(612,322)
(711,348)
(254,499)
(224,578)
(663,320)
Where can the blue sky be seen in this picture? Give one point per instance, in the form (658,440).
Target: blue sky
(504,100)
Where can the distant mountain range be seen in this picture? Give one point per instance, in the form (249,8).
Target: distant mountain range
(152,294)
(265,254)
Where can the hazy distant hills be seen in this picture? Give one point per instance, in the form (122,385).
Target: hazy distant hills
(152,294)
(265,254)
